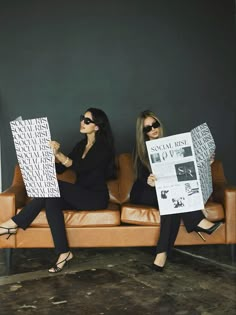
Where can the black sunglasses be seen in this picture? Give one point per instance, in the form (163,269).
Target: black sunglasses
(86,120)
(155,125)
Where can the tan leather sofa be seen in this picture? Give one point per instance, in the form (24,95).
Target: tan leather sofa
(121,224)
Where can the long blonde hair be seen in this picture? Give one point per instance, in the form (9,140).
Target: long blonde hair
(140,152)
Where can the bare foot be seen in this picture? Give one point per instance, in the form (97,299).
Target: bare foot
(8,227)
(205,224)
(160,259)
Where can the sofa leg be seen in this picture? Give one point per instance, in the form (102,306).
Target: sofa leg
(8,255)
(232,253)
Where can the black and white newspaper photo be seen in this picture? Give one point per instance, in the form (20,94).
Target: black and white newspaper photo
(35,157)
(182,168)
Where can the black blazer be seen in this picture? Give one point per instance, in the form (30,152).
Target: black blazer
(91,171)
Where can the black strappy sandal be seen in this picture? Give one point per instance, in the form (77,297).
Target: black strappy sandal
(8,231)
(56,268)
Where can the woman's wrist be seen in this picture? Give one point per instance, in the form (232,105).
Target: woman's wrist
(59,157)
(62,158)
(65,161)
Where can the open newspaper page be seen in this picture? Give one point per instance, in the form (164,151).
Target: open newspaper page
(173,161)
(204,148)
(36,160)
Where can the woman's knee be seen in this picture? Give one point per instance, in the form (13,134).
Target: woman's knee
(52,204)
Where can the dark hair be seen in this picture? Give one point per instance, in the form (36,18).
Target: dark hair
(105,132)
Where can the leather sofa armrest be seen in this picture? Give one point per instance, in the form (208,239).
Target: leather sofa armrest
(230,214)
(226,195)
(11,199)
(7,210)
(230,202)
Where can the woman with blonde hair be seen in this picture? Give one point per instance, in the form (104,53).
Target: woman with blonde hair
(149,127)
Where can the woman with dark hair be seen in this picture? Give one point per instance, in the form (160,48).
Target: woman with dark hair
(92,160)
(149,127)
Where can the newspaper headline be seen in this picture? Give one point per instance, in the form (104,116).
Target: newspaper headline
(36,160)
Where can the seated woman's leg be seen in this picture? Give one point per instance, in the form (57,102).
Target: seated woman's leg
(23,219)
(27,215)
(72,197)
(192,219)
(196,221)
(54,211)
(168,233)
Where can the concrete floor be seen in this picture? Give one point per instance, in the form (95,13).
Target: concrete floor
(197,280)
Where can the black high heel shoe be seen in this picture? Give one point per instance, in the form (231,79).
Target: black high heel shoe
(8,231)
(209,231)
(56,268)
(157,268)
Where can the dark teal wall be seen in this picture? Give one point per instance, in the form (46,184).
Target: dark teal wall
(175,57)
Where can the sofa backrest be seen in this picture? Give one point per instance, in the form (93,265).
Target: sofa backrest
(126,176)
(217,170)
(119,188)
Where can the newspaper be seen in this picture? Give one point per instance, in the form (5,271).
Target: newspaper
(35,157)
(181,164)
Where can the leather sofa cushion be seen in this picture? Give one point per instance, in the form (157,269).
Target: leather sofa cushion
(140,214)
(146,215)
(82,218)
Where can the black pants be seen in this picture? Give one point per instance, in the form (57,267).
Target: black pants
(55,217)
(72,197)
(170,226)
(142,193)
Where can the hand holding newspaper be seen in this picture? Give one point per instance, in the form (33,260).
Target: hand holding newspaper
(181,164)
(35,157)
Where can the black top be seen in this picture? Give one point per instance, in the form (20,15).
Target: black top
(141,192)
(92,171)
